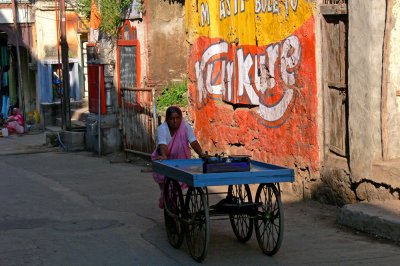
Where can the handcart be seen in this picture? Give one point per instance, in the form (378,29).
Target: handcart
(189,214)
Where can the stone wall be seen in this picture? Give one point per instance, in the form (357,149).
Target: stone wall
(165,43)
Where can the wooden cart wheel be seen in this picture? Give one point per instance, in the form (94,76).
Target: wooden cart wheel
(269,221)
(197,223)
(242,223)
(173,212)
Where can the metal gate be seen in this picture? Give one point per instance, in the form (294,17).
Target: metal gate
(139,120)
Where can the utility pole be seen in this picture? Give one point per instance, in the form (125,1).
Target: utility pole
(20,88)
(65,69)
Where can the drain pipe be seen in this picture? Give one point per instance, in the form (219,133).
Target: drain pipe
(99,112)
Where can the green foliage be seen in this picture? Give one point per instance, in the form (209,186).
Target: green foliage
(83,7)
(173,94)
(111,13)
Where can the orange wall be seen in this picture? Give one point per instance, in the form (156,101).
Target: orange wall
(71,28)
(252,78)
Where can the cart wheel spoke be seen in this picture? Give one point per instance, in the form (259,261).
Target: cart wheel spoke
(242,224)
(198,223)
(269,219)
(173,212)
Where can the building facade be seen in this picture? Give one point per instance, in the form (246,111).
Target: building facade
(305,84)
(30,44)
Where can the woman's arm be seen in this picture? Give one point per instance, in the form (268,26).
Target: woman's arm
(197,148)
(11,118)
(163,152)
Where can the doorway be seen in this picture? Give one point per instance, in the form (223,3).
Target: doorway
(335,82)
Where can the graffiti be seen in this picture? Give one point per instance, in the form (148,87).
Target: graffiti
(266,78)
(261,6)
(210,52)
(262,76)
(225,8)
(204,14)
(272,6)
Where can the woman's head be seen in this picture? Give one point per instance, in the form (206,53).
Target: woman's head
(173,116)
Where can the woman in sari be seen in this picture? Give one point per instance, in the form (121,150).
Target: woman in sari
(174,137)
(15,122)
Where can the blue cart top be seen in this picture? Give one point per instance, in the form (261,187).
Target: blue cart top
(190,171)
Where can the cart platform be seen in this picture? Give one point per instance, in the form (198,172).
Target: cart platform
(190,171)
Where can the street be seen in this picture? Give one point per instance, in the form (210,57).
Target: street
(59,208)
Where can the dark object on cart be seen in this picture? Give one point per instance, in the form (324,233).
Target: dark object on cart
(221,164)
(235,205)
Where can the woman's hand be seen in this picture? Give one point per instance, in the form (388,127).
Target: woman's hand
(162,157)
(205,155)
(197,148)
(162,152)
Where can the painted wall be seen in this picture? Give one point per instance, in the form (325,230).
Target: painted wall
(47,34)
(252,79)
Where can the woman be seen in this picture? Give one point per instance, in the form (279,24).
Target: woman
(174,137)
(15,122)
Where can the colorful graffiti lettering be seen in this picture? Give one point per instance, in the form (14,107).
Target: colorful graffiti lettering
(204,14)
(262,76)
(272,6)
(260,6)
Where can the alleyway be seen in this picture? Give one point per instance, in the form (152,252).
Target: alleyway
(59,208)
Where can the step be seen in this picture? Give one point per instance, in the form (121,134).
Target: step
(379,218)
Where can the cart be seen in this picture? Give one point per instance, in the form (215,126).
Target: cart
(189,214)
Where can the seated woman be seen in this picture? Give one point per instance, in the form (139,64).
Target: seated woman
(15,122)
(174,137)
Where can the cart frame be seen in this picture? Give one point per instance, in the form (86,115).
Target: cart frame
(189,214)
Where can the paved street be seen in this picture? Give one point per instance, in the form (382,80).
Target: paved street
(59,208)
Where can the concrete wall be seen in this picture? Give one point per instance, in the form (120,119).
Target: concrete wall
(366,29)
(165,42)
(393,103)
(47,34)
(252,81)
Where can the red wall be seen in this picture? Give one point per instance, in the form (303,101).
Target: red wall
(235,113)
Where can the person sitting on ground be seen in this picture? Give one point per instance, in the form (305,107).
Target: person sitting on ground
(174,137)
(15,122)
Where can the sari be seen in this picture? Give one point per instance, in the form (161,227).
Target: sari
(178,148)
(17,123)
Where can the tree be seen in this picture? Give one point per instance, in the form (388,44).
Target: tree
(111,12)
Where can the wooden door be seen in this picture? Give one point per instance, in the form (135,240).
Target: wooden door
(335,83)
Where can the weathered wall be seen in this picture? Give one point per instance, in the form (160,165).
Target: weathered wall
(393,103)
(252,80)
(47,34)
(366,29)
(166,49)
